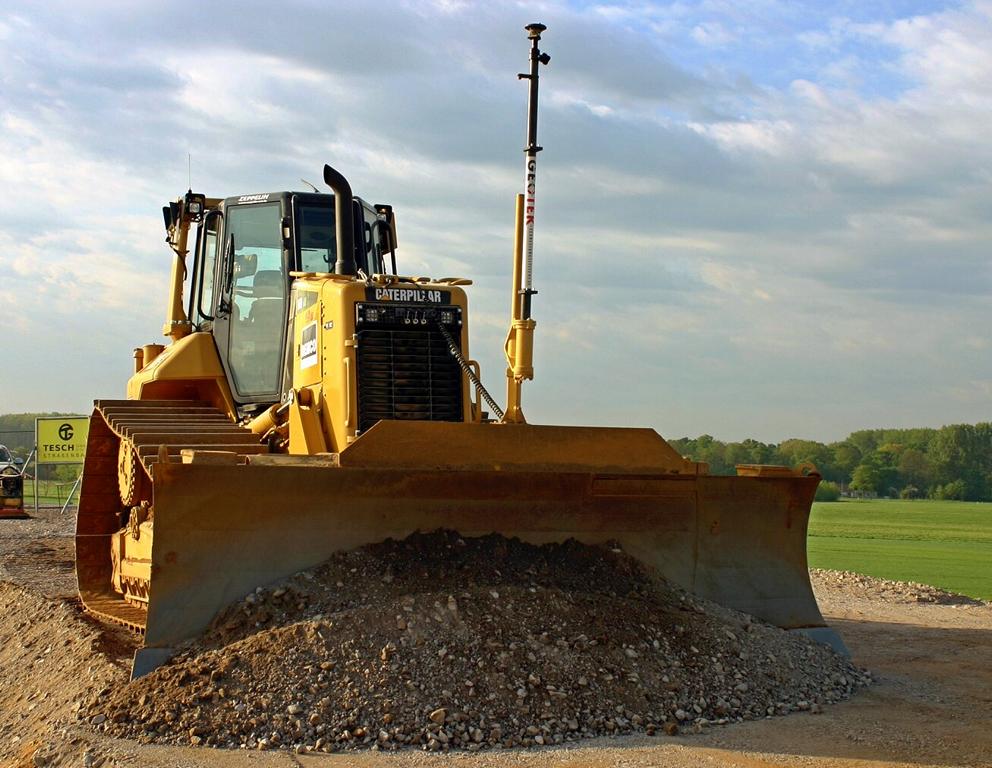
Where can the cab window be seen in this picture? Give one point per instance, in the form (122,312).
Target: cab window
(317,245)
(373,247)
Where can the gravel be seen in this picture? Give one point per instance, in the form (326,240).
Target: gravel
(443,643)
(859,585)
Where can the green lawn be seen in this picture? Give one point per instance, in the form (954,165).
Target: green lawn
(944,543)
(50,493)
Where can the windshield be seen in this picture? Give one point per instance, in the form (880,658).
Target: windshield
(317,240)
(4,455)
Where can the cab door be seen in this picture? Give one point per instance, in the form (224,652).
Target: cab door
(251,307)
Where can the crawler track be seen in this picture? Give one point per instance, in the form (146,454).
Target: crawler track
(127,439)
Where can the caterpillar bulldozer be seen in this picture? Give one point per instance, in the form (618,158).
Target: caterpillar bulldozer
(312,399)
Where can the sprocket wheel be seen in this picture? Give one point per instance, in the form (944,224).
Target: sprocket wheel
(128,473)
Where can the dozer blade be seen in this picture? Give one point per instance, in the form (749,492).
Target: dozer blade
(222,530)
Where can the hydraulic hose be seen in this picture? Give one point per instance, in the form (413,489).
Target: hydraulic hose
(463,364)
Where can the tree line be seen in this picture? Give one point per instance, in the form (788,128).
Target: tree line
(953,462)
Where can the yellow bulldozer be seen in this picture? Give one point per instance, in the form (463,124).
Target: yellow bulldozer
(312,399)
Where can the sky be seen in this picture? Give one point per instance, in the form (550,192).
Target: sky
(755,219)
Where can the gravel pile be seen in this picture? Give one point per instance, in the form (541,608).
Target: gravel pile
(891,591)
(441,643)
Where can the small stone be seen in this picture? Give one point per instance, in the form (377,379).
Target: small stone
(671,729)
(97,719)
(438,715)
(294,709)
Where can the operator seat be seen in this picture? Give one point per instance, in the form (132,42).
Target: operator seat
(268,310)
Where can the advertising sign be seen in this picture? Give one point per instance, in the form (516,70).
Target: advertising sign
(61,439)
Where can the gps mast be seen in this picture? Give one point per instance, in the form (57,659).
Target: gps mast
(519,346)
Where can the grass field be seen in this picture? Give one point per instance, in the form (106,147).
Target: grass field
(944,543)
(50,493)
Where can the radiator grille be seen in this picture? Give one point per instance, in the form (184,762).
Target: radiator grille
(406,373)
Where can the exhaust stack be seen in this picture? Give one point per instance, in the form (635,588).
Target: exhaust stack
(344,230)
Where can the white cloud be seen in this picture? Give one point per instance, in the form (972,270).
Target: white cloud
(712,34)
(769,137)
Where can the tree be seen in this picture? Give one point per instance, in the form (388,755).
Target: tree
(953,491)
(874,474)
(964,452)
(914,469)
(793,452)
(827,491)
(909,492)
(865,440)
(846,457)
(759,453)
(866,478)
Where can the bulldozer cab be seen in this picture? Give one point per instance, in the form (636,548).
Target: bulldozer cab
(246,249)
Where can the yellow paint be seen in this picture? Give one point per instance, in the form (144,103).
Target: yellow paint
(187,369)
(324,354)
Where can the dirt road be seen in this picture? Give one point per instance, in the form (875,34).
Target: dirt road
(930,707)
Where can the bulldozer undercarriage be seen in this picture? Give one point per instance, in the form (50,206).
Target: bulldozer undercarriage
(140,434)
